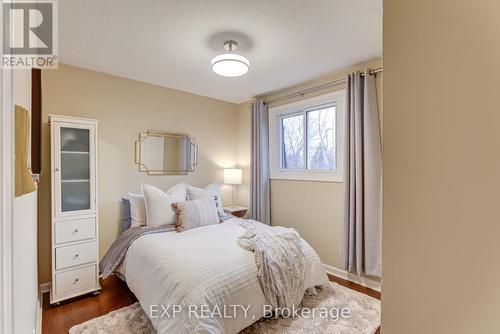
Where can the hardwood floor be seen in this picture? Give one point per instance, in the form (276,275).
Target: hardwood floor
(114,295)
(59,319)
(367,291)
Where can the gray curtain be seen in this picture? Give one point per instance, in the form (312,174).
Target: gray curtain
(259,182)
(362,249)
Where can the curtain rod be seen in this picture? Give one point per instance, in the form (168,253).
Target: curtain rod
(316,88)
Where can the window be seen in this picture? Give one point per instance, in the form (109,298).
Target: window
(305,139)
(292,142)
(321,138)
(317,127)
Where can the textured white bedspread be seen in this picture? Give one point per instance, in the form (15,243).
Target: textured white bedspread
(201,266)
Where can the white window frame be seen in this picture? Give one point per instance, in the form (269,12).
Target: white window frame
(302,107)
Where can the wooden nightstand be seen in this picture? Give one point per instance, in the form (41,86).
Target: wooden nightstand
(237,211)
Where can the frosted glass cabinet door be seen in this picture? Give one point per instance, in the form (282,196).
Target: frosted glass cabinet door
(75,168)
(75,196)
(75,140)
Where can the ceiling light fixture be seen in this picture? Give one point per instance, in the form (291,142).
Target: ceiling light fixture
(230,64)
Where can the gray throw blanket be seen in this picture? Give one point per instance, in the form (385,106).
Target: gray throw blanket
(114,256)
(280,262)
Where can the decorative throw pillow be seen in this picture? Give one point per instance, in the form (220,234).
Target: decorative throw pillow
(137,210)
(127,215)
(211,190)
(195,213)
(159,210)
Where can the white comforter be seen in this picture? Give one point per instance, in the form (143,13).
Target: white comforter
(203,267)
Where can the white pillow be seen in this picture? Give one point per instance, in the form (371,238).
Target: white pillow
(159,209)
(137,210)
(212,189)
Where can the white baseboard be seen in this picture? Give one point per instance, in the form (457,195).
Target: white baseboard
(44,287)
(353,278)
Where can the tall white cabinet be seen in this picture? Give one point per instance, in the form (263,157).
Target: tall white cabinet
(74,207)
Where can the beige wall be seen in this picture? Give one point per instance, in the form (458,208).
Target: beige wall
(441,245)
(126,107)
(315,209)
(244,147)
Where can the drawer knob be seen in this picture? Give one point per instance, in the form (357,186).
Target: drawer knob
(75,231)
(76,280)
(77,256)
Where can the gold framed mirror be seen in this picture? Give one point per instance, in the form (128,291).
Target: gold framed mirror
(163,153)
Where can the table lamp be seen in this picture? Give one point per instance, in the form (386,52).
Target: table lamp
(233,176)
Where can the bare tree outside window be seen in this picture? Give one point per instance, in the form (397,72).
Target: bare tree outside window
(321,139)
(318,141)
(306,139)
(292,133)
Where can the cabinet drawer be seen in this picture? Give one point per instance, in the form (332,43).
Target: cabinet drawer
(75,279)
(69,256)
(74,230)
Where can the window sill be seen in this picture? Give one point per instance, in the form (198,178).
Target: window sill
(310,176)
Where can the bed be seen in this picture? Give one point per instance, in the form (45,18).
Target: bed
(201,267)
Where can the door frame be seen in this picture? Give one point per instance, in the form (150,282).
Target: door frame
(6,195)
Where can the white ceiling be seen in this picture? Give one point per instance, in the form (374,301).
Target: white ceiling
(171,43)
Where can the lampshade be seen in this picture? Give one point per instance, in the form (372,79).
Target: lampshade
(233,176)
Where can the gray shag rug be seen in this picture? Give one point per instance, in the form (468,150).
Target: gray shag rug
(364,317)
